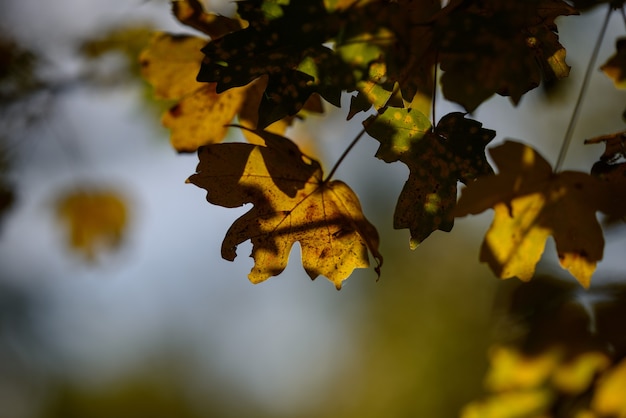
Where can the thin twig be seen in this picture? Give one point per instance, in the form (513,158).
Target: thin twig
(583,89)
(434,96)
(343,155)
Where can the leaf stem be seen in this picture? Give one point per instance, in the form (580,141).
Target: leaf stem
(434,96)
(581,95)
(343,155)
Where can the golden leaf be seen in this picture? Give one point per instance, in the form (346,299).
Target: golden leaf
(610,399)
(95,219)
(201,116)
(531,203)
(170,63)
(291,204)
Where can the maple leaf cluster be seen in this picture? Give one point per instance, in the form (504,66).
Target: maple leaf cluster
(277,61)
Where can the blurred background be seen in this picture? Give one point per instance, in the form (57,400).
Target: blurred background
(153,323)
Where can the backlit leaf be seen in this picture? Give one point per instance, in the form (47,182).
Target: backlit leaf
(96,220)
(531,203)
(454,151)
(170,64)
(291,204)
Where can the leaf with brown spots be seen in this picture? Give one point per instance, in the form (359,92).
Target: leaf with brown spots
(454,151)
(286,45)
(201,115)
(499,46)
(531,203)
(292,204)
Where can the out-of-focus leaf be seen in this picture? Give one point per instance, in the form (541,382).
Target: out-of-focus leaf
(577,375)
(291,204)
(95,220)
(609,399)
(127,40)
(531,203)
(193,14)
(201,115)
(615,67)
(612,169)
(170,63)
(17,70)
(454,151)
(512,370)
(540,385)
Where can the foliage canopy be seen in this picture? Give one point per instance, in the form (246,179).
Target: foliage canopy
(275,60)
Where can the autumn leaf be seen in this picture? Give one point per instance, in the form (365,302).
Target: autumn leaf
(201,115)
(522,385)
(531,203)
(499,46)
(615,67)
(612,169)
(292,204)
(95,219)
(394,41)
(193,14)
(609,399)
(170,63)
(284,43)
(454,151)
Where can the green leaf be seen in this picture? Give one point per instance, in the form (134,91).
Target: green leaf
(397,130)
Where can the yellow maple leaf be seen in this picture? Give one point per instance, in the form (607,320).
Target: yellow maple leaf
(170,63)
(531,202)
(201,116)
(610,399)
(292,204)
(95,219)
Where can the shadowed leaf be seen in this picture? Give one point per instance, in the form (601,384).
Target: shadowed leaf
(291,204)
(454,151)
(531,203)
(499,46)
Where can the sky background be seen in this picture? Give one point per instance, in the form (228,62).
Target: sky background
(285,345)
